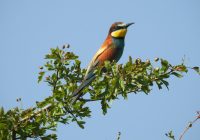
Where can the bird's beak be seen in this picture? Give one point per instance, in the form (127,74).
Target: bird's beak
(129,24)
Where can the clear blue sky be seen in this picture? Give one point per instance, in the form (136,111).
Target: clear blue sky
(168,29)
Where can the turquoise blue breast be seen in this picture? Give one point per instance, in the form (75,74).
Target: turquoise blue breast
(119,42)
(119,46)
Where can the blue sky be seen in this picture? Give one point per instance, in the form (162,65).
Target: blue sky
(168,29)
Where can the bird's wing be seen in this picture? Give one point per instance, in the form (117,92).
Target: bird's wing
(89,76)
(93,63)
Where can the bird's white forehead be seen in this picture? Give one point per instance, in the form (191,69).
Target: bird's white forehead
(121,24)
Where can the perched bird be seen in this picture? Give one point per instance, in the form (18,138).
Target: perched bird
(111,49)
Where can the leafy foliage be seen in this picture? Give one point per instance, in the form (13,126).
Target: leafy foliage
(62,72)
(170,135)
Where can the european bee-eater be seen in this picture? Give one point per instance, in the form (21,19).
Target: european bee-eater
(111,49)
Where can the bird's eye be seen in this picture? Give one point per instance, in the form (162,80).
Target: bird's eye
(118,27)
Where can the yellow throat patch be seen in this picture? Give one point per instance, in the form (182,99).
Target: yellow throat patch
(119,33)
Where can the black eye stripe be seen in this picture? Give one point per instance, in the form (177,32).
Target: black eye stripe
(119,27)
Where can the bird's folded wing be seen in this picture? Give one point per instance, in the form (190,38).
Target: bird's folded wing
(94,62)
(87,79)
(89,76)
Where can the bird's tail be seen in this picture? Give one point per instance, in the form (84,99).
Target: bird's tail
(77,93)
(89,77)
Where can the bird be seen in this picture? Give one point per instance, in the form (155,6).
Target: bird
(111,50)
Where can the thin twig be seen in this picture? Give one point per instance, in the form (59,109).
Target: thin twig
(89,100)
(13,135)
(36,113)
(189,126)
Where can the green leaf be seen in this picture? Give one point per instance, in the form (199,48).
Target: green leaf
(49,66)
(49,137)
(145,89)
(165,83)
(41,74)
(104,106)
(81,124)
(107,65)
(159,84)
(177,74)
(3,126)
(170,135)
(165,65)
(130,60)
(54,77)
(122,84)
(196,69)
(1,111)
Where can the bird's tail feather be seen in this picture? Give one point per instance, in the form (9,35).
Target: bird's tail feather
(77,93)
(89,77)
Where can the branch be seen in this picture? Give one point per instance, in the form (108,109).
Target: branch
(89,100)
(64,74)
(35,113)
(189,125)
(13,135)
(47,107)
